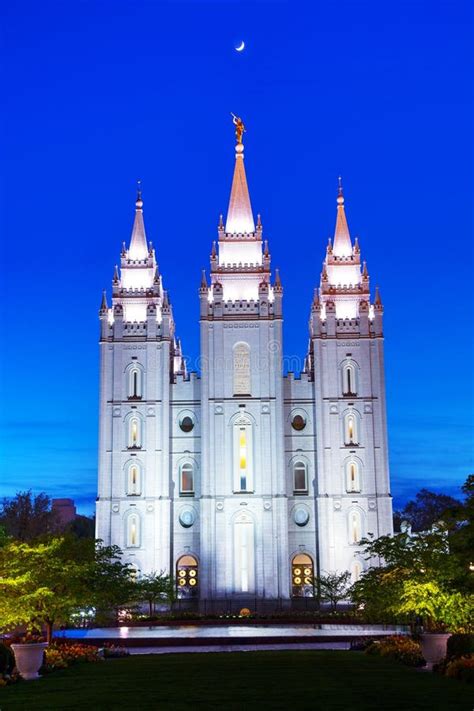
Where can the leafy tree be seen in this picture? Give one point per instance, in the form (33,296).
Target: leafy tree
(42,584)
(427,509)
(3,537)
(82,527)
(154,587)
(333,587)
(27,517)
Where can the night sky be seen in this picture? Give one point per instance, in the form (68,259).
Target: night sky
(98,94)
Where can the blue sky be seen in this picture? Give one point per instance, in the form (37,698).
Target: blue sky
(98,94)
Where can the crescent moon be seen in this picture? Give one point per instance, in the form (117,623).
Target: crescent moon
(242,46)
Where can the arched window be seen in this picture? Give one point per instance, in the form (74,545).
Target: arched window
(300,478)
(355,527)
(351,434)
(187,579)
(302,576)
(241,369)
(135,383)
(133,531)
(243,456)
(134,483)
(244,554)
(134,433)
(356,570)
(352,476)
(349,383)
(186,479)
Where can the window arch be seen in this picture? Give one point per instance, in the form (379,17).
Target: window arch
(353,478)
(134,478)
(187,579)
(349,378)
(351,429)
(132,533)
(300,477)
(186,479)
(355,527)
(241,369)
(243,456)
(134,432)
(302,576)
(135,382)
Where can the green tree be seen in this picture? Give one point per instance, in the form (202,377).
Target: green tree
(42,584)
(155,587)
(27,517)
(333,587)
(427,509)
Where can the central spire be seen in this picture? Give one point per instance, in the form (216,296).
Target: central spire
(342,246)
(138,244)
(239,215)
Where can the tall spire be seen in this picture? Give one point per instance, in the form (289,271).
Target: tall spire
(239,215)
(138,245)
(342,246)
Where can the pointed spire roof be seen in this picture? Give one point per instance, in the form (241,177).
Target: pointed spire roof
(239,215)
(138,245)
(342,246)
(103,303)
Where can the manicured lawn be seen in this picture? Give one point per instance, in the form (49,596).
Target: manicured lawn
(251,680)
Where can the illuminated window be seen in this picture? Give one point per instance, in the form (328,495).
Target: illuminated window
(134,479)
(134,433)
(349,379)
(244,554)
(302,576)
(356,571)
(133,531)
(351,435)
(187,579)
(300,478)
(243,457)
(355,527)
(186,484)
(135,383)
(352,477)
(241,369)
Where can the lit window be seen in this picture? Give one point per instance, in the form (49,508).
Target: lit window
(300,479)
(355,527)
(134,483)
(350,429)
(187,479)
(243,469)
(187,578)
(352,477)
(302,576)
(133,531)
(134,433)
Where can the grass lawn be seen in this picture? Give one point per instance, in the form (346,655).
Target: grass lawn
(249,680)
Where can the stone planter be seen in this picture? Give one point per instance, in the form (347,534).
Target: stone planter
(433,647)
(29,658)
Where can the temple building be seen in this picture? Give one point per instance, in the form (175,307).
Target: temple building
(242,481)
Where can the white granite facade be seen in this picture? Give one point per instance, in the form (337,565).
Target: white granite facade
(242,481)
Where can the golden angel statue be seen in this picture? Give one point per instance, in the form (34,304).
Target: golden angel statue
(239,127)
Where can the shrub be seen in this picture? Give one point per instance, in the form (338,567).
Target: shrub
(462,668)
(401,649)
(60,656)
(7,660)
(460,645)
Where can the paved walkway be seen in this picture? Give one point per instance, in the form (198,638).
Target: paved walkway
(240,648)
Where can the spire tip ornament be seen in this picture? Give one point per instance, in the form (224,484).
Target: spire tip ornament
(139,201)
(239,130)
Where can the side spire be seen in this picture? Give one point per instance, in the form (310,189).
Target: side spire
(239,215)
(342,246)
(138,244)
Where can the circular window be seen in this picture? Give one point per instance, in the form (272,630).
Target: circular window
(301,517)
(186,424)
(298,422)
(186,518)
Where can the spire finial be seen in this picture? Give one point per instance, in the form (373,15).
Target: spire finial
(239,128)
(340,192)
(139,201)
(116,275)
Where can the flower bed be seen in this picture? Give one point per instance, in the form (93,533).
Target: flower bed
(401,649)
